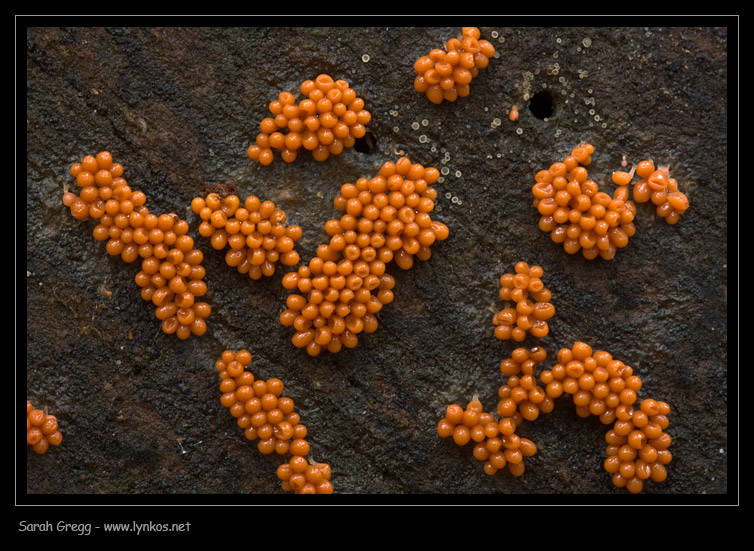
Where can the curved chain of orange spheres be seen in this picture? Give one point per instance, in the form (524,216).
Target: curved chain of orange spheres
(387,218)
(446,74)
(41,429)
(171,274)
(608,388)
(533,307)
(254,232)
(268,417)
(329,119)
(599,385)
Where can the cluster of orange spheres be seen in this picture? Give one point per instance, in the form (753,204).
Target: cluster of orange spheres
(521,395)
(329,119)
(533,306)
(637,447)
(387,218)
(598,383)
(254,232)
(657,186)
(607,388)
(41,429)
(575,213)
(171,274)
(446,74)
(496,443)
(268,417)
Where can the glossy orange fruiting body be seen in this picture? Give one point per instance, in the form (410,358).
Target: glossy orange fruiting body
(329,119)
(269,418)
(42,430)
(495,442)
(532,308)
(254,232)
(171,275)
(445,75)
(579,216)
(338,293)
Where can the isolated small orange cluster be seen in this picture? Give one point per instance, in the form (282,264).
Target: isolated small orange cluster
(387,218)
(577,214)
(171,274)
(254,232)
(41,429)
(329,119)
(533,306)
(268,417)
(447,74)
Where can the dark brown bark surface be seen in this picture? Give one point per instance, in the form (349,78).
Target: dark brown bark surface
(140,410)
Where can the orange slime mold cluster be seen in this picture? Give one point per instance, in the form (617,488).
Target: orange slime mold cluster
(171,274)
(329,119)
(497,443)
(657,186)
(41,429)
(254,232)
(387,218)
(598,384)
(446,74)
(533,307)
(577,214)
(608,388)
(268,417)
(637,446)
(521,395)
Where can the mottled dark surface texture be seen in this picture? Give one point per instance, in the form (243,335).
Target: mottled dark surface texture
(178,107)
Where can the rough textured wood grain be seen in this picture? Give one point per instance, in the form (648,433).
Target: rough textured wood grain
(140,410)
